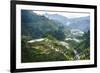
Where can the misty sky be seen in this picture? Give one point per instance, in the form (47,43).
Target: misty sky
(66,14)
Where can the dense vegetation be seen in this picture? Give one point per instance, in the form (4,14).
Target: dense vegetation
(53,47)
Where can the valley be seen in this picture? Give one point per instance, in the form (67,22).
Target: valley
(52,37)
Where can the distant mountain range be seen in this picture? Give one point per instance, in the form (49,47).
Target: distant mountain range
(58,18)
(36,26)
(82,23)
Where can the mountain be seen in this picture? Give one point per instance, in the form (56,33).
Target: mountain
(58,18)
(36,25)
(81,23)
(54,24)
(53,39)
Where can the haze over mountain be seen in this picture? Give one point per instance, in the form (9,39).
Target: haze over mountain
(57,17)
(82,23)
